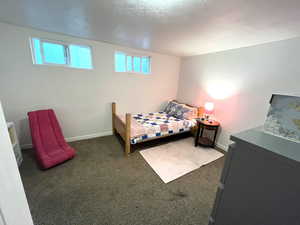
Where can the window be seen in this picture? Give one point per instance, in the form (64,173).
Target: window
(47,52)
(132,63)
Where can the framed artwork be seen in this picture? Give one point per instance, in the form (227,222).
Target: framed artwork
(283,118)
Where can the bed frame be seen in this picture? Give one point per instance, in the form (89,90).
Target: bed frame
(123,129)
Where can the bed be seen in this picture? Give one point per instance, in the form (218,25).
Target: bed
(141,127)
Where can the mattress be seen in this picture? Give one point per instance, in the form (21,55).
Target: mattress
(149,125)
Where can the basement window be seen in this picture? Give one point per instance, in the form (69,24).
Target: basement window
(46,52)
(132,63)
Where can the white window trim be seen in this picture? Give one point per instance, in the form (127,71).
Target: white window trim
(66,52)
(132,57)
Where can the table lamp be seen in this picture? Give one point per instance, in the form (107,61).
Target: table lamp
(209,108)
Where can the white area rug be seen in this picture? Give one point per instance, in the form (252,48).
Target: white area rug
(175,159)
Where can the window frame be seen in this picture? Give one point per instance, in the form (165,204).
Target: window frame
(132,65)
(67,54)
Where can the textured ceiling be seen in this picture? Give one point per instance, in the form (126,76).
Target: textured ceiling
(178,27)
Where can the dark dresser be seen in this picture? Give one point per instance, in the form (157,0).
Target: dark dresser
(260,182)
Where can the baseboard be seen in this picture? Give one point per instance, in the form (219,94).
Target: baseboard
(222,147)
(102,134)
(89,136)
(77,138)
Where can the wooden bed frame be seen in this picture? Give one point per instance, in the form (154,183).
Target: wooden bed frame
(123,129)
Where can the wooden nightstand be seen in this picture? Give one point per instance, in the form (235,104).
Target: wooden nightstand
(206,125)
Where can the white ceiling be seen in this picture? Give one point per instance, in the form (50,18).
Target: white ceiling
(178,27)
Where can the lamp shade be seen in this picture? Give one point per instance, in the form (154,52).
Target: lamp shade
(209,107)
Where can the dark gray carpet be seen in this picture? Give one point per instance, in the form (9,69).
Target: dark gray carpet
(101,186)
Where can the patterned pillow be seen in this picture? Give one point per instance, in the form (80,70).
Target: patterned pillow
(171,107)
(180,111)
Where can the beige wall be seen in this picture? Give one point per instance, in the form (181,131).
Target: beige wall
(240,82)
(81,98)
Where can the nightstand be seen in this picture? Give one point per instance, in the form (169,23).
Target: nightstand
(206,125)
